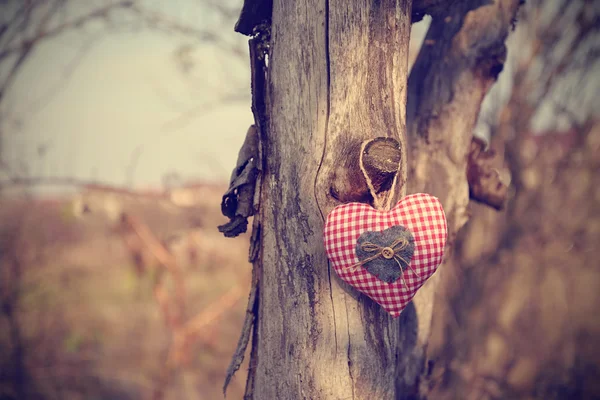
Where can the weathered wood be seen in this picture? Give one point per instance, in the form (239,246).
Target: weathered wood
(337,76)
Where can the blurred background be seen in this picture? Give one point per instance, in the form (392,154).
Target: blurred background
(120,122)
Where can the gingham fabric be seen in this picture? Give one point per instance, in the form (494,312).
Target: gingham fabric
(420,213)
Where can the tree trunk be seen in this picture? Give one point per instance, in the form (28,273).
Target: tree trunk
(463,53)
(337,75)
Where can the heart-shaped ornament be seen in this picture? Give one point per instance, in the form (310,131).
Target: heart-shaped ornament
(387,255)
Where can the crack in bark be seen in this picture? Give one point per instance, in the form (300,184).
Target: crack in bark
(328,112)
(328,100)
(332,307)
(349,347)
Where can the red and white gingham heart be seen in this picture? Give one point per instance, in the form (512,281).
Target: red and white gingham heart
(421,213)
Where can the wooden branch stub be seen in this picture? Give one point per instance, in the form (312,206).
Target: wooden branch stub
(381,162)
(485,185)
(346,182)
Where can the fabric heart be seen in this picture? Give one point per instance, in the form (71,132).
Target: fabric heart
(349,226)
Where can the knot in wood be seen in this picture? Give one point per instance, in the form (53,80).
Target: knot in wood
(380,162)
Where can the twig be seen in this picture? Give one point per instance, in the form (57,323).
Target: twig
(133,163)
(164,257)
(10,77)
(41,102)
(158,20)
(240,350)
(190,331)
(184,333)
(75,23)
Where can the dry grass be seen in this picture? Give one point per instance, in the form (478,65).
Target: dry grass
(91,321)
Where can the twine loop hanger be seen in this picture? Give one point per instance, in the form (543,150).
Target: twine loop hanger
(388,166)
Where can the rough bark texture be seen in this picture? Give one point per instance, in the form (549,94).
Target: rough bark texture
(337,77)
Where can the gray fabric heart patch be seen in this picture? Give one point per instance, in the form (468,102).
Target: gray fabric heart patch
(386,254)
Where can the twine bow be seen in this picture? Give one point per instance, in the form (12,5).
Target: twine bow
(390,252)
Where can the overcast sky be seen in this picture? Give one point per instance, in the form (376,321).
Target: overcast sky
(126,93)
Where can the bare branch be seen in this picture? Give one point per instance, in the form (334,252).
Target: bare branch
(164,257)
(14,69)
(16,54)
(163,22)
(44,34)
(61,84)
(185,332)
(16,23)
